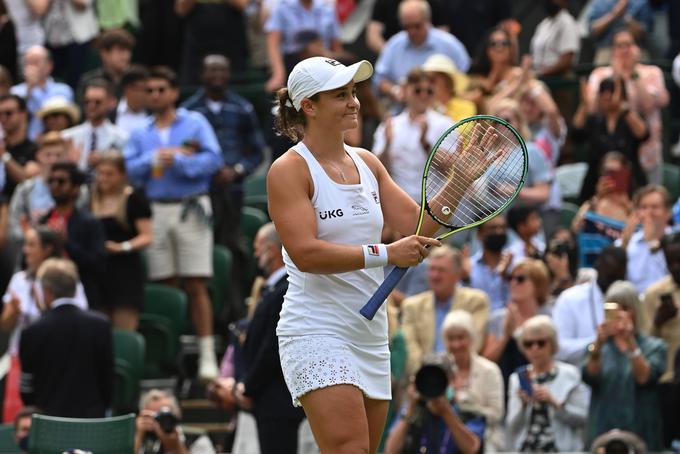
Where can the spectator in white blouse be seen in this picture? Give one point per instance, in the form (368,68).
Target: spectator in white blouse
(403,142)
(579,310)
(646,262)
(556,41)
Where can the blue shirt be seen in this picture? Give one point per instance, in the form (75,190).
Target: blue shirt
(440,311)
(644,266)
(637,9)
(290,18)
(236,126)
(38,97)
(188,175)
(400,55)
(490,281)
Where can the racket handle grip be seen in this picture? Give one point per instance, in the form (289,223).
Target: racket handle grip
(382,293)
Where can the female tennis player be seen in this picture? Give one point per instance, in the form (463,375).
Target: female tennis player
(329,202)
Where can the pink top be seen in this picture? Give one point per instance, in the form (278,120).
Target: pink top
(647,95)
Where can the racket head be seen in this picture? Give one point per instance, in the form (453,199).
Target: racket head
(489,194)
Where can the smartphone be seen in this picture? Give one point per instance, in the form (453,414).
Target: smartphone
(621,178)
(610,310)
(525,381)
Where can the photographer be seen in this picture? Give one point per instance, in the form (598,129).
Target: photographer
(157,427)
(430,422)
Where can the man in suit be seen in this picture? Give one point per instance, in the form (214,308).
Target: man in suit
(263,389)
(67,355)
(423,314)
(83,235)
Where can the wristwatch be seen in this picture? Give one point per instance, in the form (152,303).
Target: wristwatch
(126,246)
(592,351)
(6,157)
(634,354)
(240,169)
(654,245)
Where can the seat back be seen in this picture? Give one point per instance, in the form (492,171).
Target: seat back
(54,435)
(671,180)
(220,283)
(129,349)
(7,443)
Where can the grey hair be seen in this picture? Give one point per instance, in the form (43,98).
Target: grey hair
(155,395)
(59,276)
(625,294)
(449,252)
(542,324)
(462,320)
(269,233)
(424,8)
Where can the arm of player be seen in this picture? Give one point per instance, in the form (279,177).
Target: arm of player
(289,189)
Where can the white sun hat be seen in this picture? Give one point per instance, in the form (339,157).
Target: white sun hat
(317,74)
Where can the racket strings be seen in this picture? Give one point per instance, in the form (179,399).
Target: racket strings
(502,165)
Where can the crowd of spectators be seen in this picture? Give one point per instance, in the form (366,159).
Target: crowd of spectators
(124,149)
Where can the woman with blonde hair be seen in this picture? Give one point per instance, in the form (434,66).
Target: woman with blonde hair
(548,411)
(125,215)
(529,291)
(623,368)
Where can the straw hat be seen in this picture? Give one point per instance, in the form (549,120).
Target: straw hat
(440,63)
(59,104)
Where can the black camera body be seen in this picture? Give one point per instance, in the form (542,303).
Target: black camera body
(167,420)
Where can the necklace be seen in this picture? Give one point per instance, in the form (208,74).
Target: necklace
(339,170)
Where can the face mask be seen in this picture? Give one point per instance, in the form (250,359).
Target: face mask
(23,443)
(495,242)
(551,8)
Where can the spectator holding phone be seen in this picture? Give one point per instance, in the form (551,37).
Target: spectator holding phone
(661,304)
(608,125)
(547,401)
(623,367)
(611,199)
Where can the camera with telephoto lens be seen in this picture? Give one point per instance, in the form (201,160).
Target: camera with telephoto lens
(432,379)
(167,420)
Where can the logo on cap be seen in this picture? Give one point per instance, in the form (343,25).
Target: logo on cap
(332,62)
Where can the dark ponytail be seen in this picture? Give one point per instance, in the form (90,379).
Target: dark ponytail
(288,121)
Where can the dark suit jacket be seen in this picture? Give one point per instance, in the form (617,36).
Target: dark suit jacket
(263,379)
(67,363)
(85,246)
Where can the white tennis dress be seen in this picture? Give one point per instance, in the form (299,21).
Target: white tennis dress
(323,340)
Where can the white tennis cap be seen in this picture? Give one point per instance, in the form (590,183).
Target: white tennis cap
(317,74)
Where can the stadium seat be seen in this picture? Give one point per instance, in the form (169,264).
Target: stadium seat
(125,387)
(130,348)
(671,180)
(255,192)
(161,322)
(53,435)
(570,179)
(7,443)
(567,213)
(251,221)
(219,285)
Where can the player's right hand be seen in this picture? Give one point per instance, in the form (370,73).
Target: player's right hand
(410,251)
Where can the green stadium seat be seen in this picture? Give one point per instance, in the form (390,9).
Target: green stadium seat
(125,387)
(130,348)
(53,435)
(255,192)
(7,443)
(219,285)
(567,213)
(251,221)
(671,180)
(161,322)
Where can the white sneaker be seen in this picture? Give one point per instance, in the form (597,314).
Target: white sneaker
(207,367)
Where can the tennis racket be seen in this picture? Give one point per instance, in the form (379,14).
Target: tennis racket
(474,171)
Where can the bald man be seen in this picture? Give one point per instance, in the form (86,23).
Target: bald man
(238,131)
(38,85)
(413,45)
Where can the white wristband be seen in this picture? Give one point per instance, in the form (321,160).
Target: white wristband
(375,255)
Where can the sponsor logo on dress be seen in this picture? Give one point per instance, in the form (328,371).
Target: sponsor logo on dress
(375,197)
(329,214)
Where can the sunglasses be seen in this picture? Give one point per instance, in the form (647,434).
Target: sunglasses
(57,180)
(520,278)
(428,91)
(540,343)
(160,90)
(7,113)
(503,43)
